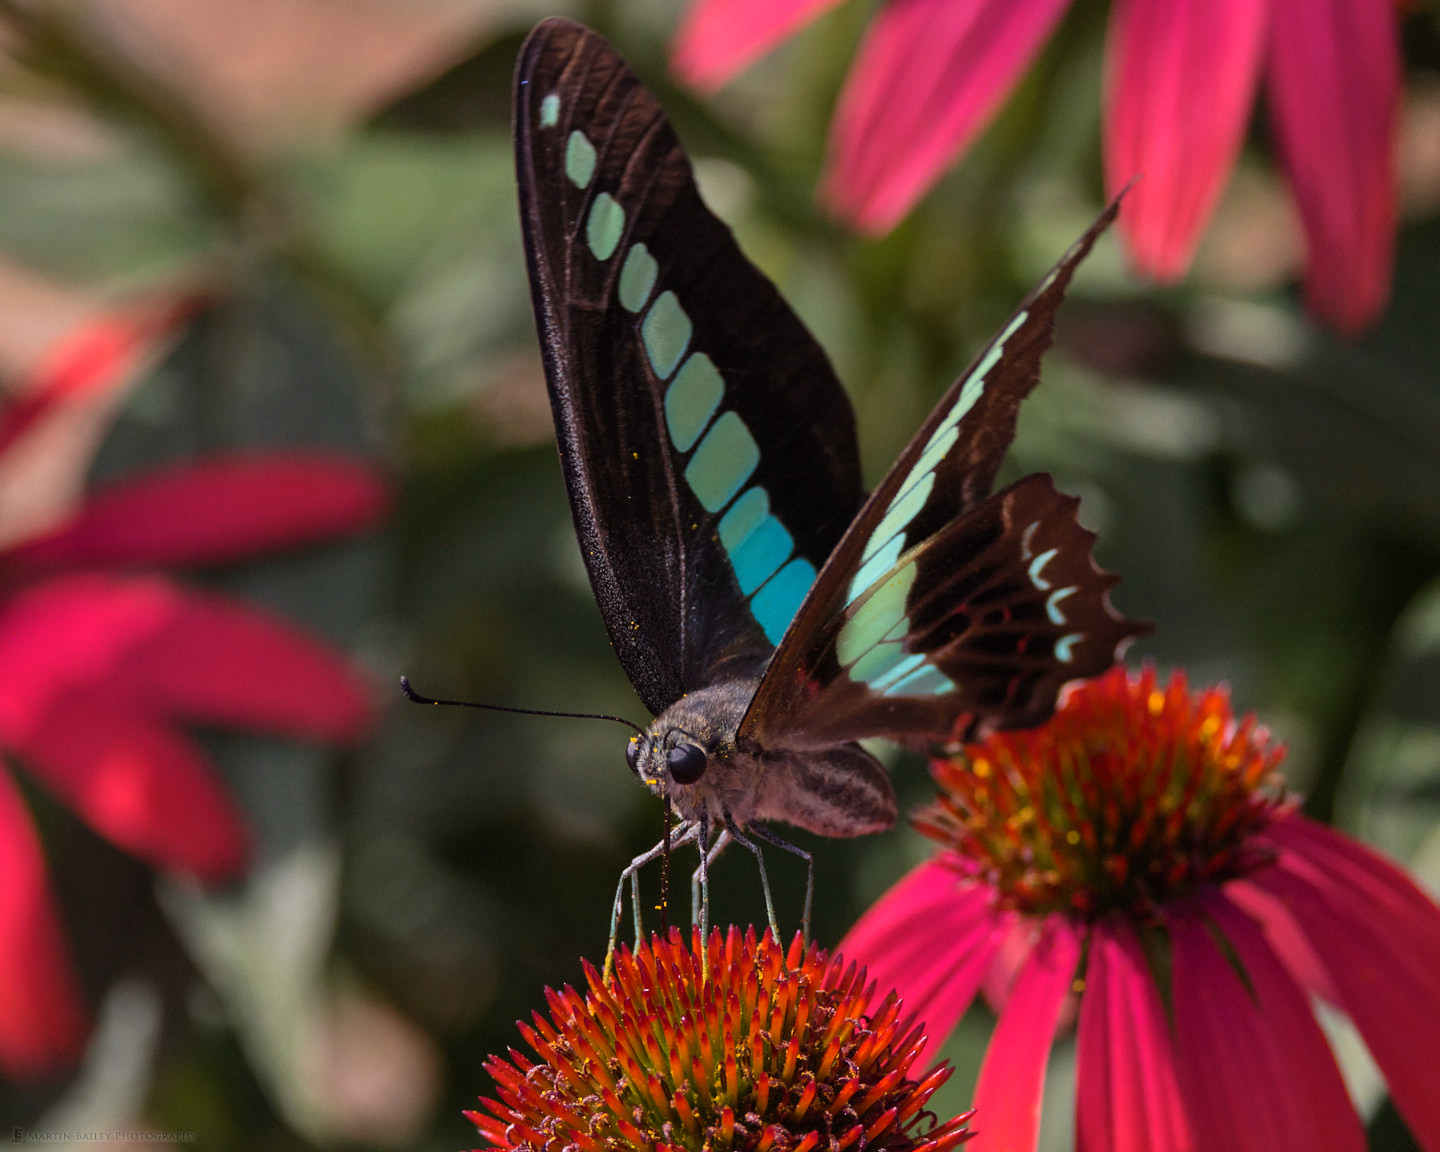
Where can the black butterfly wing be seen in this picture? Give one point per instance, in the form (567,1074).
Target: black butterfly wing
(944,612)
(708,449)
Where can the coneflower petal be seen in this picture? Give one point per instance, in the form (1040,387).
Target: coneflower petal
(42,1015)
(1012,1079)
(932,939)
(1334,87)
(717,38)
(1127,1098)
(1378,936)
(1162,54)
(929,76)
(1255,1069)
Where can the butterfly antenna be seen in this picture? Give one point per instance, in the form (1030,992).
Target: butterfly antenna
(415,697)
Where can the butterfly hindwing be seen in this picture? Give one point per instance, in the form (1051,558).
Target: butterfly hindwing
(708,448)
(944,611)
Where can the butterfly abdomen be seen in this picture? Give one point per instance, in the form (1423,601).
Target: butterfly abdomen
(840,791)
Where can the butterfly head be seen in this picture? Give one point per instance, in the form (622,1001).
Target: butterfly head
(659,758)
(689,752)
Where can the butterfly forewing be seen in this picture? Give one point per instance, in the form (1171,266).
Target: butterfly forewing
(944,611)
(708,448)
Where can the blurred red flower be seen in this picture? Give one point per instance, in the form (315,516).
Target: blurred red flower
(1135,852)
(1181,77)
(102,663)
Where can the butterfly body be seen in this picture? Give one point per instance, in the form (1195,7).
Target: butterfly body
(767,611)
(691,753)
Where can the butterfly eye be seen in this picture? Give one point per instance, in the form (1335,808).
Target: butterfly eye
(632,753)
(687,763)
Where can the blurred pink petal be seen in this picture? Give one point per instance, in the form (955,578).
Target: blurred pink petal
(141,785)
(72,634)
(217,509)
(1285,936)
(931,939)
(1180,82)
(1378,937)
(64,402)
(100,355)
(223,662)
(171,652)
(42,1013)
(1127,1097)
(1315,1104)
(1012,1079)
(1255,1069)
(1010,958)
(929,76)
(1334,99)
(717,38)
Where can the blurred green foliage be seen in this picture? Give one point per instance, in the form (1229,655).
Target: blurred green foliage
(1270,495)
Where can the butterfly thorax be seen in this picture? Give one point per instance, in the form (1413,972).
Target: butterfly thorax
(690,752)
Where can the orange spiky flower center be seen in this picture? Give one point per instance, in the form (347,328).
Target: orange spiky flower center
(1130,797)
(775,1050)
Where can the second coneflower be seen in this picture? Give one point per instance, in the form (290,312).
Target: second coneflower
(772,1049)
(1137,851)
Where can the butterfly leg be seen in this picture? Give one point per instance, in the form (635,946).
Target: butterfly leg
(754,850)
(700,878)
(631,874)
(700,887)
(763,833)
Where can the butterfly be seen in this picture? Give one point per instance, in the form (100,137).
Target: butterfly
(768,612)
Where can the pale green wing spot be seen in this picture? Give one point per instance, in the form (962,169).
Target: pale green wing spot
(745,515)
(603,228)
(882,610)
(723,462)
(579,159)
(1037,565)
(550,111)
(926,681)
(974,385)
(875,567)
(637,277)
(899,631)
(901,511)
(764,550)
(947,432)
(691,400)
(666,332)
(775,605)
(1026,538)
(1064,645)
(876,663)
(1052,604)
(940,442)
(899,672)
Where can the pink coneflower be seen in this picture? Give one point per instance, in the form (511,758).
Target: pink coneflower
(1181,78)
(1136,852)
(103,664)
(756,1049)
